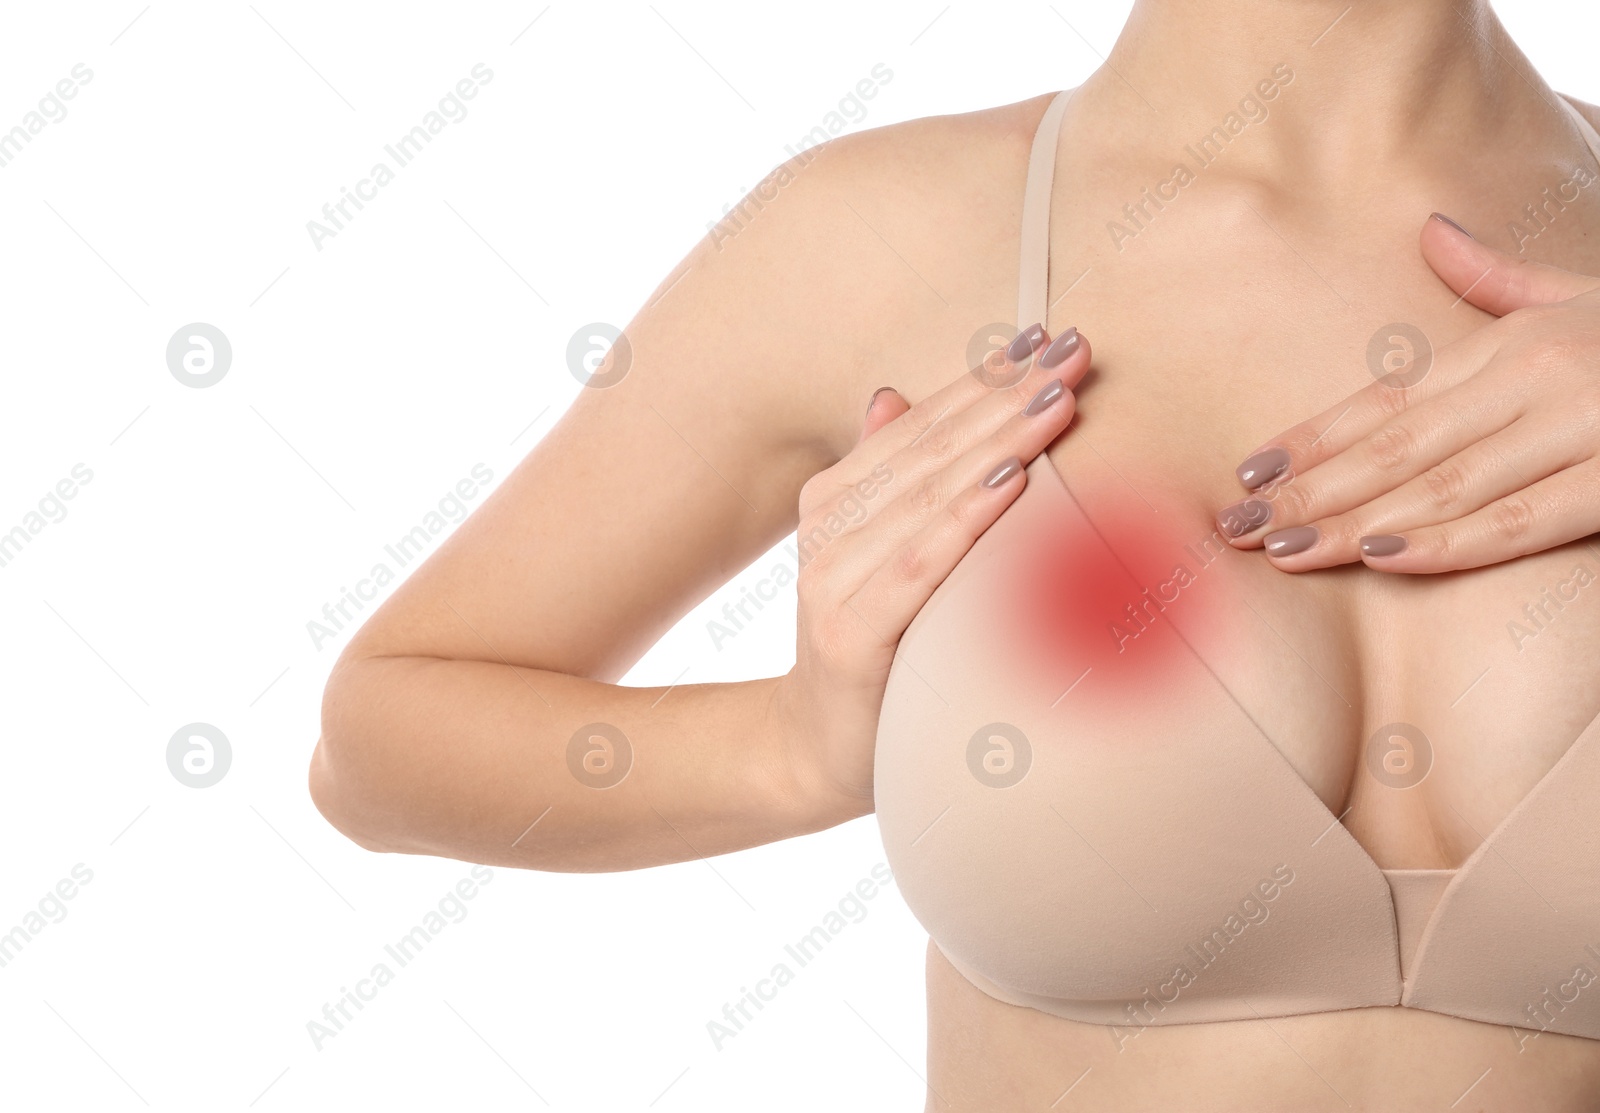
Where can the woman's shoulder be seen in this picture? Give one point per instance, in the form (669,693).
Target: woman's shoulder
(915,172)
(938,155)
(1586,110)
(902,230)
(1001,124)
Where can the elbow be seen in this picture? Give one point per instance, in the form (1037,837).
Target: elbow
(342,798)
(347,778)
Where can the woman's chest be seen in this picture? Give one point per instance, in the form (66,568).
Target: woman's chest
(1420,708)
(1102,736)
(1428,705)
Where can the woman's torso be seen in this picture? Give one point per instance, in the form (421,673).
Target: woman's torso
(1225,319)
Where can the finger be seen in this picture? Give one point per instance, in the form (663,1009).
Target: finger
(1551,512)
(1033,423)
(886,404)
(1421,438)
(928,437)
(1302,447)
(1024,361)
(902,584)
(833,527)
(1487,470)
(940,441)
(1493,280)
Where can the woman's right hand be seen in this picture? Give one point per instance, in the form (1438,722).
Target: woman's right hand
(882,528)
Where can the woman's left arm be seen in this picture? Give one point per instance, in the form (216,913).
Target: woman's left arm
(1491,453)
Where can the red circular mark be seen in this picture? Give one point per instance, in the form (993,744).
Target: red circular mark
(1099,597)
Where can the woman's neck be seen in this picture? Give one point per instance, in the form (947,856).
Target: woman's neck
(1411,85)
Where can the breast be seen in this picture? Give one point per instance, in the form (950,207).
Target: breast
(1098,828)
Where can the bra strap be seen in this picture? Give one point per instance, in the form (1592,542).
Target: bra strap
(1033,284)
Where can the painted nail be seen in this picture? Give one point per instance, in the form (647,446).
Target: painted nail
(873,401)
(1287,542)
(1003,471)
(1044,399)
(1453,224)
(1382,544)
(1026,343)
(1060,348)
(1242,517)
(1267,464)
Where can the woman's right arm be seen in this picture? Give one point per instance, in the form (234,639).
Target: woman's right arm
(457,720)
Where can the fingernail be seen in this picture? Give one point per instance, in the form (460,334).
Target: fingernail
(1242,517)
(1382,544)
(1026,343)
(874,400)
(1060,348)
(1267,464)
(1453,224)
(1287,542)
(1003,471)
(1044,399)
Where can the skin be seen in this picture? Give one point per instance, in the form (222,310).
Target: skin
(1492,452)
(447,720)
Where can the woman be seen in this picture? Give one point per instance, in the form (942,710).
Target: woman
(1186,832)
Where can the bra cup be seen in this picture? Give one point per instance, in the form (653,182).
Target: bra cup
(1076,865)
(1516,938)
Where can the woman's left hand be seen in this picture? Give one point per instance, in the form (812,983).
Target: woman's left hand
(1490,453)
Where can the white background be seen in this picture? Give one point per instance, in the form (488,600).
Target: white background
(368,378)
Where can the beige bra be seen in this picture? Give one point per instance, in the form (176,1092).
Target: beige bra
(1131,856)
